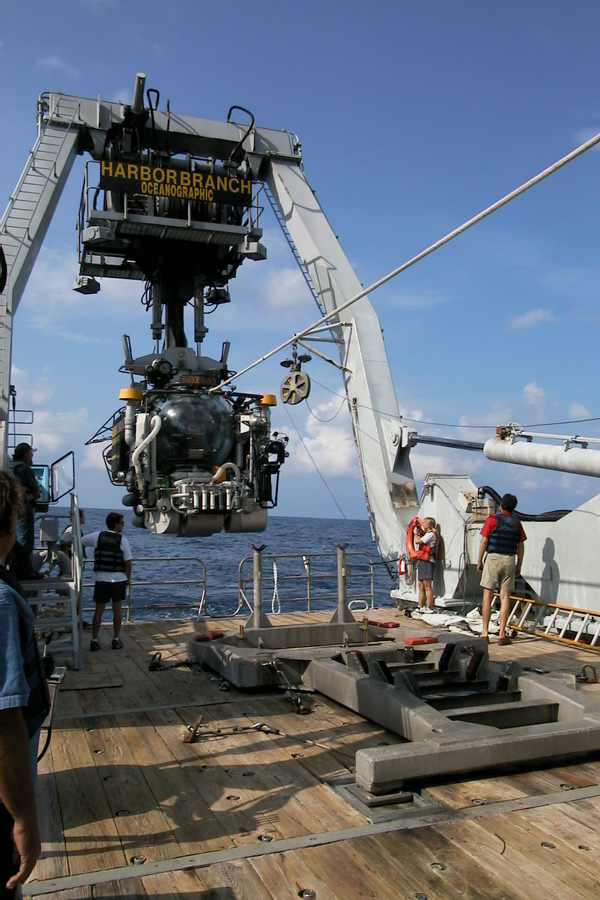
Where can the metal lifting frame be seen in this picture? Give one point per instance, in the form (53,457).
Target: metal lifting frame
(73,125)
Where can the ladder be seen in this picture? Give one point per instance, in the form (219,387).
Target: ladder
(301,264)
(26,220)
(553,622)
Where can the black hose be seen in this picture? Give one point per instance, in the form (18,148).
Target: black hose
(552,516)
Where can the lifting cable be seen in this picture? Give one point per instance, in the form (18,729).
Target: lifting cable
(343,514)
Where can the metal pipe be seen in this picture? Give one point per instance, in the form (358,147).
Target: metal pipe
(137,105)
(222,469)
(544,456)
(155,423)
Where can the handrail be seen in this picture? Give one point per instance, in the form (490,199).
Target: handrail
(309,577)
(200,581)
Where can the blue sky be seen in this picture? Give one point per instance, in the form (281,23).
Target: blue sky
(413,116)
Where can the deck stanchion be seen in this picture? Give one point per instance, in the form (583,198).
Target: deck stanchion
(258,618)
(342,613)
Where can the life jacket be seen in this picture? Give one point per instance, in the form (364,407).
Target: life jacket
(429,551)
(421,551)
(108,556)
(505,538)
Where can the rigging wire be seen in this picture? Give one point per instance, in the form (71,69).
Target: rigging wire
(335,313)
(344,516)
(451,424)
(334,416)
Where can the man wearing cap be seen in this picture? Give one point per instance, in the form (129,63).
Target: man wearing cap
(22,459)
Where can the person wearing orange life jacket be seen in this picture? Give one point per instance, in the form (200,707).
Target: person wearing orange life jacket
(502,539)
(426,542)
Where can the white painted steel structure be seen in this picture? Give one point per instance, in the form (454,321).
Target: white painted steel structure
(71,125)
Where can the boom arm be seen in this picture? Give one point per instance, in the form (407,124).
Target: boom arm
(385,468)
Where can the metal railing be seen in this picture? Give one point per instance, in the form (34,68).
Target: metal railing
(311,584)
(199,581)
(299,580)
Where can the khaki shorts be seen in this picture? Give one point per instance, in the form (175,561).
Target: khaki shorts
(498,569)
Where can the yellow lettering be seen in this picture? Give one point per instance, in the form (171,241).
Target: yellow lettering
(120,171)
(209,195)
(184,178)
(246,187)
(234,185)
(171,176)
(106,168)
(132,171)
(210,182)
(158,175)
(145,173)
(197,179)
(221,182)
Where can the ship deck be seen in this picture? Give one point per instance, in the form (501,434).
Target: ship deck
(130,810)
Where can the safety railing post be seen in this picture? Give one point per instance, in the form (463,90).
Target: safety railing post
(342,613)
(258,618)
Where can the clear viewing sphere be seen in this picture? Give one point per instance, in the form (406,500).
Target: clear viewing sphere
(196,431)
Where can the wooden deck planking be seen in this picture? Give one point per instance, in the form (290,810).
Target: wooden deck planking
(169,794)
(438,862)
(510,866)
(286,875)
(279,788)
(191,820)
(53,861)
(89,829)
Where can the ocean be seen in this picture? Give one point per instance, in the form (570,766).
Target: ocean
(167,571)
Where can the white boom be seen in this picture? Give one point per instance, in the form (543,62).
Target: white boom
(73,125)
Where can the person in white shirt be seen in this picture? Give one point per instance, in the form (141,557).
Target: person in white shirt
(112,567)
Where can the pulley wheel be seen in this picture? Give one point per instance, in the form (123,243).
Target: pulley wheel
(295,387)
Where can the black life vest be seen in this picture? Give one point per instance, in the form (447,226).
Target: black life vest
(108,556)
(505,538)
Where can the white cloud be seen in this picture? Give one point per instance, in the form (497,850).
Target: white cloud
(56,430)
(58,64)
(534,395)
(414,415)
(54,308)
(579,411)
(329,443)
(532,318)
(285,290)
(31,392)
(529,484)
(92,457)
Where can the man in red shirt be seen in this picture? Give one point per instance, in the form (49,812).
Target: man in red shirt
(503,537)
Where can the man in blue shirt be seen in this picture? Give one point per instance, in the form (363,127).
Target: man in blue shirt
(24,704)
